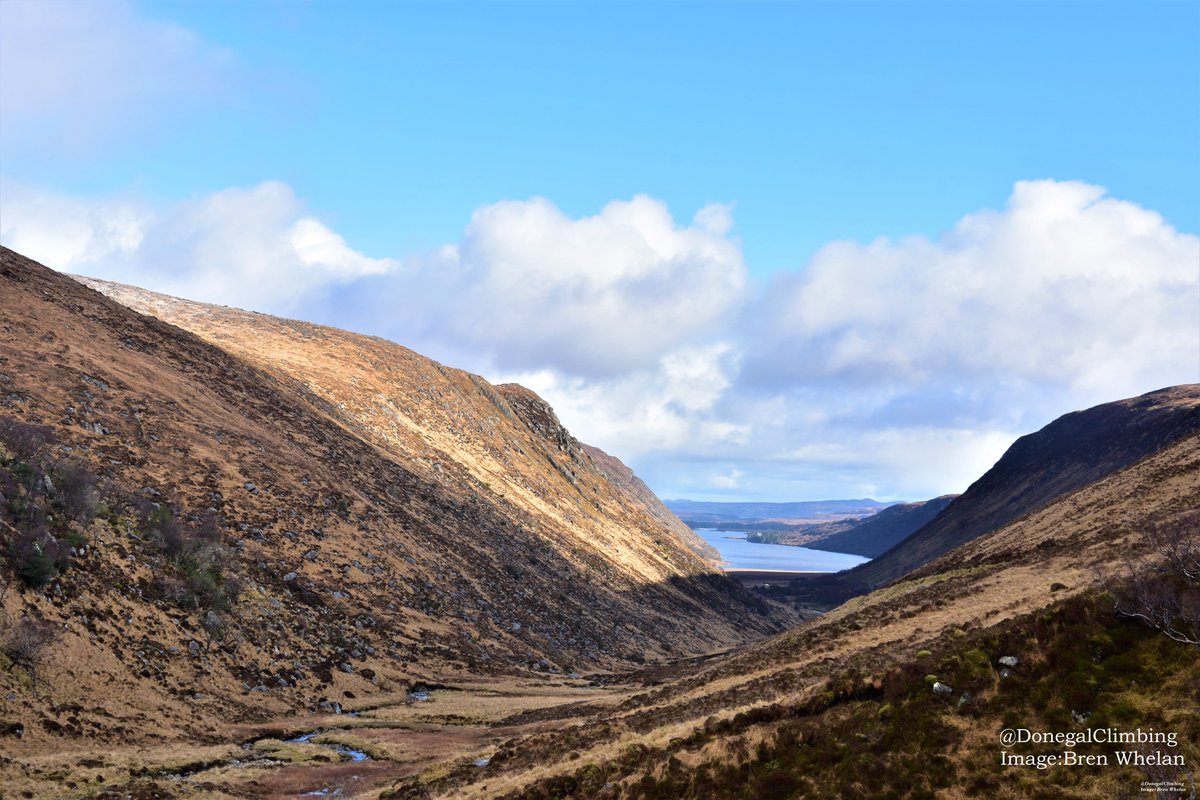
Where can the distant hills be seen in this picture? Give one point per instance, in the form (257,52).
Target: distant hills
(863,527)
(703,514)
(867,536)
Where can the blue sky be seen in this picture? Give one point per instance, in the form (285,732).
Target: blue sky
(445,153)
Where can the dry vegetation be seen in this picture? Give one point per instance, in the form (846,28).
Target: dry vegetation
(272,547)
(842,706)
(279,531)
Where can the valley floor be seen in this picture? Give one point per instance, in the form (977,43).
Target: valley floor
(358,753)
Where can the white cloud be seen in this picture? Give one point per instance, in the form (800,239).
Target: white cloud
(906,368)
(253,247)
(598,295)
(62,230)
(950,459)
(1066,287)
(729,480)
(73,73)
(715,218)
(899,369)
(670,406)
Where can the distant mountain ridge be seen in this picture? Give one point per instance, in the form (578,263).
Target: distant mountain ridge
(705,513)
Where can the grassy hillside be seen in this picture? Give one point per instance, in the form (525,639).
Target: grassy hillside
(273,539)
(844,705)
(872,733)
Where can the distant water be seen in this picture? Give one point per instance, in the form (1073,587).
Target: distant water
(742,554)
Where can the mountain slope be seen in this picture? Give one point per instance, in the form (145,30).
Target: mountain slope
(870,536)
(842,705)
(620,475)
(1071,452)
(390,520)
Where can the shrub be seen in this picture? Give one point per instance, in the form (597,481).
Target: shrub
(36,556)
(26,442)
(191,575)
(1164,591)
(75,492)
(26,642)
(42,501)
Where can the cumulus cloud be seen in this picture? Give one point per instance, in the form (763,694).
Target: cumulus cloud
(899,369)
(250,247)
(898,464)
(671,405)
(593,296)
(729,480)
(60,230)
(1065,287)
(75,73)
(905,368)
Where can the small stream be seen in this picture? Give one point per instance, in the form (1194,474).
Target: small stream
(265,759)
(306,738)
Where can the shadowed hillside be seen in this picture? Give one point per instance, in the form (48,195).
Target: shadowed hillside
(1074,451)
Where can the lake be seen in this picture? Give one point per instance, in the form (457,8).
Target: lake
(742,554)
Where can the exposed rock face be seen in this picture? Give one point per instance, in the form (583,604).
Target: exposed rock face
(376,502)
